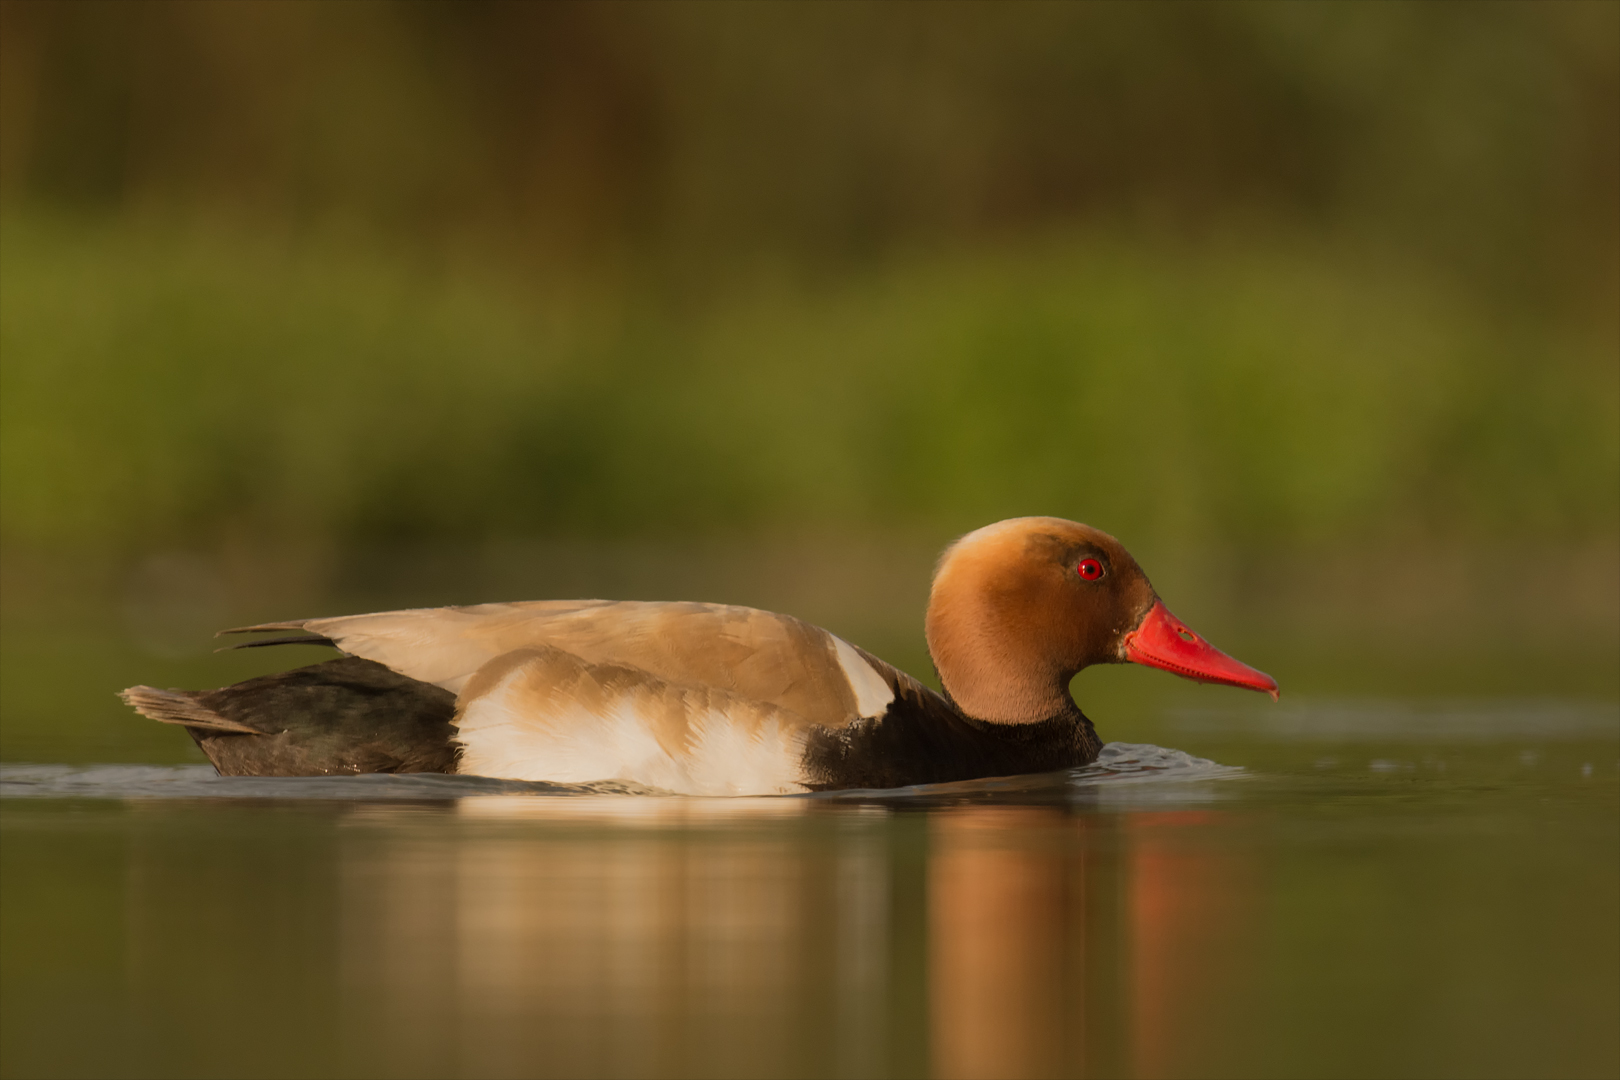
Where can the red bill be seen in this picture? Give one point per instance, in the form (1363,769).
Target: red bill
(1164,641)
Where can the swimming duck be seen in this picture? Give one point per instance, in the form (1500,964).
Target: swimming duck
(712,699)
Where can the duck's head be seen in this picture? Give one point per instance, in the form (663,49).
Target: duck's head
(1019,607)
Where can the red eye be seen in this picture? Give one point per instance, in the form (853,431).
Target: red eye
(1090,569)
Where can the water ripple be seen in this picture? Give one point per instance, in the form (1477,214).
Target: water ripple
(1120,764)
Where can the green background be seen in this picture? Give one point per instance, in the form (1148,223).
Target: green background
(309,308)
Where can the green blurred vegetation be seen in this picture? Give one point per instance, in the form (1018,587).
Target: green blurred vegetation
(174,391)
(1242,274)
(1315,301)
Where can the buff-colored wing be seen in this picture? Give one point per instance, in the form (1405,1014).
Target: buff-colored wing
(758,656)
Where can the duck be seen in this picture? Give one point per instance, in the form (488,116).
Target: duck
(713,699)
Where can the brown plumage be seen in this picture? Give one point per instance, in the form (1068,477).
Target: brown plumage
(1010,622)
(715,699)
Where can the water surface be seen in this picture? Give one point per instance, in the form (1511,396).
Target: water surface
(1353,889)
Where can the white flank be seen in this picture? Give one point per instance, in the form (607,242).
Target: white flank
(500,738)
(872,693)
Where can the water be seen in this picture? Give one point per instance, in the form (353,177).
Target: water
(1331,890)
(1119,763)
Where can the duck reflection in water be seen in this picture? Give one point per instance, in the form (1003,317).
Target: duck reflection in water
(623,936)
(1080,945)
(656,936)
(1001,904)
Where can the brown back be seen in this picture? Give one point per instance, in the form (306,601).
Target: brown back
(754,654)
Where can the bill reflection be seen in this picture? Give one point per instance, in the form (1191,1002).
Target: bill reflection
(1192,910)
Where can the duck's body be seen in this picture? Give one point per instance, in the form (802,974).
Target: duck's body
(704,699)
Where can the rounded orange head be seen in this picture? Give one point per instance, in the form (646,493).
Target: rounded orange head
(1018,607)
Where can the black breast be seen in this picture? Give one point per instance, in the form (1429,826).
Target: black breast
(925,739)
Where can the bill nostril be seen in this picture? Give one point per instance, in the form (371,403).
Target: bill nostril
(1187,635)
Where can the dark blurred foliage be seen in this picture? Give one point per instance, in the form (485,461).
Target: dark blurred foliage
(1260,274)
(690,142)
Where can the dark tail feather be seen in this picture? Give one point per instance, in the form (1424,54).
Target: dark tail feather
(339,717)
(295,639)
(180,707)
